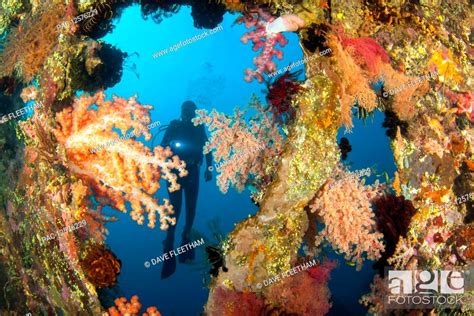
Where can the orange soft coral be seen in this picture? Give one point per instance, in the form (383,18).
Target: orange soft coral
(352,81)
(30,43)
(360,62)
(126,171)
(131,308)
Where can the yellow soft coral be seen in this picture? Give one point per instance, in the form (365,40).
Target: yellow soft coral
(446,65)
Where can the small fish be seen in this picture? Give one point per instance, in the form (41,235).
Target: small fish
(350,263)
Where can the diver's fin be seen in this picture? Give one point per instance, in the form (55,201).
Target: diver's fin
(169,267)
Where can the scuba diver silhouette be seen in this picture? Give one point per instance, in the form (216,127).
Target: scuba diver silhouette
(186,141)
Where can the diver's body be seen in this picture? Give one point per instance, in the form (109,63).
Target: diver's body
(186,141)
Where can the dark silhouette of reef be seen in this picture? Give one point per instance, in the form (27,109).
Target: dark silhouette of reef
(314,37)
(216,260)
(463,184)
(345,147)
(6,105)
(206,14)
(106,74)
(391,122)
(393,215)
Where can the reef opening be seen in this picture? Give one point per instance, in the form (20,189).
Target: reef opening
(207,80)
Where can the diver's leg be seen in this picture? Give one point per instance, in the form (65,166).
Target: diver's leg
(191,191)
(169,266)
(176,199)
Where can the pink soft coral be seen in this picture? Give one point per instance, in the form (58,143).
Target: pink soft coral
(305,293)
(241,148)
(233,303)
(262,39)
(350,227)
(127,171)
(464,102)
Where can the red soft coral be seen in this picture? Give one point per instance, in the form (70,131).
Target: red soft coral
(232,303)
(366,52)
(280,94)
(302,294)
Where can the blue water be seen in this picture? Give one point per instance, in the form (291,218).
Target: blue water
(210,72)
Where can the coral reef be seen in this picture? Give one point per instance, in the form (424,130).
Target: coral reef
(266,244)
(29,44)
(122,172)
(411,60)
(305,293)
(233,303)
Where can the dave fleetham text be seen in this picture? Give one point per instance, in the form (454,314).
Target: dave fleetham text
(175,252)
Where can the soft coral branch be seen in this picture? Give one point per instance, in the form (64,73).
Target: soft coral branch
(127,171)
(241,148)
(264,40)
(350,226)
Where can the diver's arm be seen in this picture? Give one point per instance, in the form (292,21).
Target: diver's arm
(169,134)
